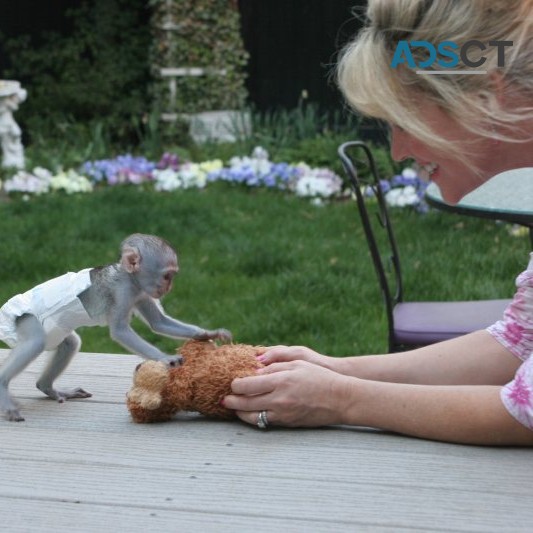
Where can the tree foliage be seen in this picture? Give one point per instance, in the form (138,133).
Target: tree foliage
(98,71)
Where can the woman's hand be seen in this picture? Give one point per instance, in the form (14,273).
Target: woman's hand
(283,354)
(293,393)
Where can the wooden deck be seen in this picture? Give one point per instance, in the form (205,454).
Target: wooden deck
(84,466)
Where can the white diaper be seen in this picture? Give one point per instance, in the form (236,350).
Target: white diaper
(57,306)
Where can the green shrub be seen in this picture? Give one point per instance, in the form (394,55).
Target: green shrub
(98,72)
(198,33)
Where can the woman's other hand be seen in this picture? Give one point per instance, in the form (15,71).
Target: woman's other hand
(293,393)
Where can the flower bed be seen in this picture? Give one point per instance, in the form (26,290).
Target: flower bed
(170,174)
(405,189)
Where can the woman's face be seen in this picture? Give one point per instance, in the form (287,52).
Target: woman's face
(454,177)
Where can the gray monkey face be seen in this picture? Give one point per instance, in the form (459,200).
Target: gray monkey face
(156,276)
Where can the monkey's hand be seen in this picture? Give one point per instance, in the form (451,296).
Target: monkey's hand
(173,360)
(220,334)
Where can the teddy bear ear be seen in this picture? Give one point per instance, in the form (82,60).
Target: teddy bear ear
(146,399)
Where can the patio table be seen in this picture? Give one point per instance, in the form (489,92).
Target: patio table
(84,466)
(507,196)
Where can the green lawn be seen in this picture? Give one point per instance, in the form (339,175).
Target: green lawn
(268,266)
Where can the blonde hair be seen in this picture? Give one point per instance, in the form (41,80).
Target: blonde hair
(374,88)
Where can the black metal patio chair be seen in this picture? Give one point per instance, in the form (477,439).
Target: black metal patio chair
(410,324)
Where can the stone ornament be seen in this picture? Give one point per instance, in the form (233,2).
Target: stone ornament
(11,96)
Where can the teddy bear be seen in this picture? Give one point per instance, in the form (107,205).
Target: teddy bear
(199,384)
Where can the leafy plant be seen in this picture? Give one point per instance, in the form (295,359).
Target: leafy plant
(204,34)
(98,72)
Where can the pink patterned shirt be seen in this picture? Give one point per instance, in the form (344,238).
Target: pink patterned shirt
(515,332)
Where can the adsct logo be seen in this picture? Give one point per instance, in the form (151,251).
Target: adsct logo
(450,55)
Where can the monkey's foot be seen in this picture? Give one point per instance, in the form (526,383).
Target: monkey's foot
(61,395)
(9,407)
(13,415)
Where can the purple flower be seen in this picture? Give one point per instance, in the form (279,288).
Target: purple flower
(256,171)
(168,160)
(122,169)
(385,186)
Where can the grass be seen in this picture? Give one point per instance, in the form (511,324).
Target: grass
(266,265)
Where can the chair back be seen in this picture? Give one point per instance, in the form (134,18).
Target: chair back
(364,180)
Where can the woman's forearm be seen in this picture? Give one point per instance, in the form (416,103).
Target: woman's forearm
(461,414)
(303,394)
(474,359)
(448,391)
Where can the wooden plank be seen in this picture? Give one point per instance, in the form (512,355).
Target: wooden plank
(24,516)
(277,497)
(87,363)
(107,376)
(86,459)
(103,388)
(226,454)
(247,452)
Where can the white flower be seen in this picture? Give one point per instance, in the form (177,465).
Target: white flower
(42,173)
(27,182)
(317,182)
(211,166)
(517,231)
(409,173)
(311,186)
(192,176)
(260,153)
(71,182)
(188,176)
(166,180)
(402,196)
(259,166)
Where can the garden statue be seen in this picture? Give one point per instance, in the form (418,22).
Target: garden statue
(11,95)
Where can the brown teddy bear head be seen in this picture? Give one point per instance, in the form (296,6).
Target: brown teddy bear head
(198,385)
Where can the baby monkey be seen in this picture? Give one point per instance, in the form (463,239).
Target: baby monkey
(45,317)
